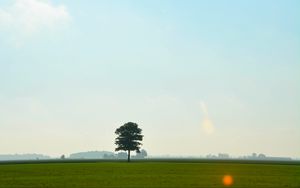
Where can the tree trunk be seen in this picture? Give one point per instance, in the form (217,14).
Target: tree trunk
(128,159)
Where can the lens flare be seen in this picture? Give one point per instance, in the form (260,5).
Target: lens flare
(227,180)
(207,124)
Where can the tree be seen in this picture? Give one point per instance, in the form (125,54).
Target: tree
(128,138)
(141,155)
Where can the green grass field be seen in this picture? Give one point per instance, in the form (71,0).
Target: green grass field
(148,174)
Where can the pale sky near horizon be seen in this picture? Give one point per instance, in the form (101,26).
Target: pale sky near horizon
(199,77)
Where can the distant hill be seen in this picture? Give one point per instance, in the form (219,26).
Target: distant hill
(33,156)
(91,155)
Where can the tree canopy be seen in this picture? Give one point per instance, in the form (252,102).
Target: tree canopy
(129,137)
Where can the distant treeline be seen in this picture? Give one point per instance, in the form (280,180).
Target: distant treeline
(253,156)
(106,155)
(32,156)
(143,154)
(79,155)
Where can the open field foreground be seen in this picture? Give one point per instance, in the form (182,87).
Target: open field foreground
(149,174)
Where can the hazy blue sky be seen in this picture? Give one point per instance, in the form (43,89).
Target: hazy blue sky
(199,77)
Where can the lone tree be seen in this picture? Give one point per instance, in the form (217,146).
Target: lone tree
(128,138)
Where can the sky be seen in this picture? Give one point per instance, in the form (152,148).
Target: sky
(199,77)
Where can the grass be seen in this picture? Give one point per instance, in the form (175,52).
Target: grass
(148,174)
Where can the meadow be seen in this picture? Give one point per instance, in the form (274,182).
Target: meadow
(141,174)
